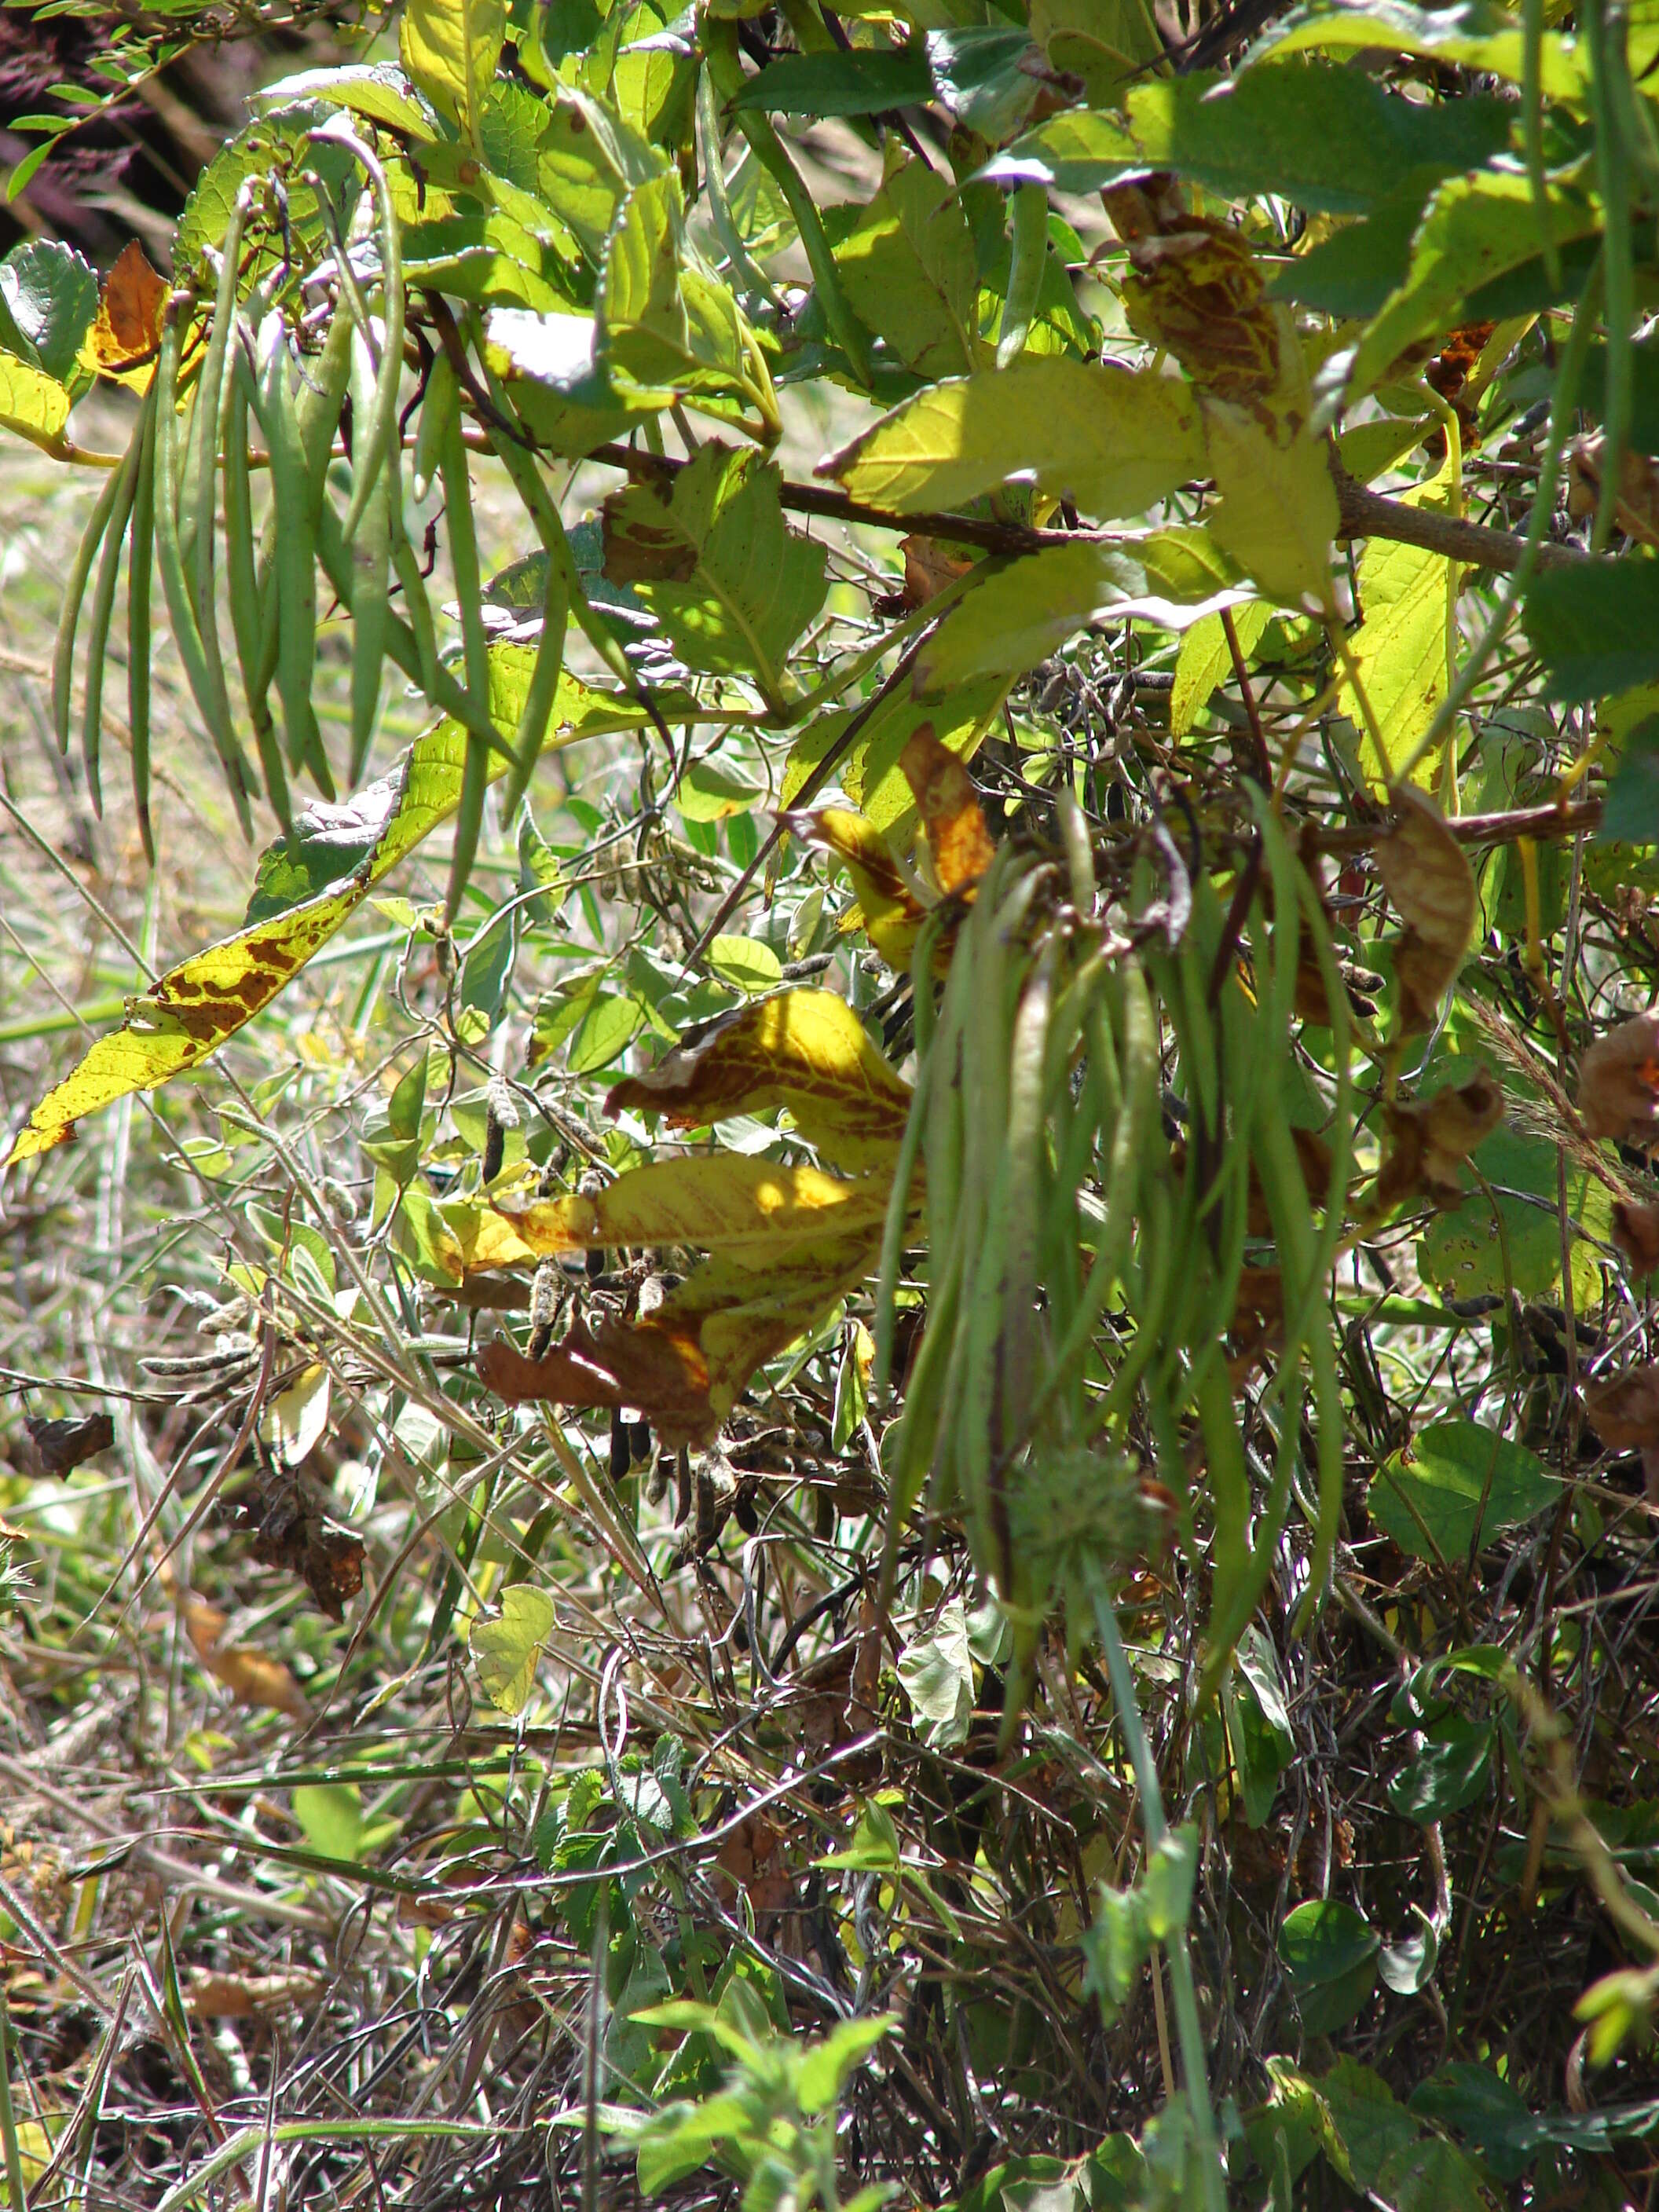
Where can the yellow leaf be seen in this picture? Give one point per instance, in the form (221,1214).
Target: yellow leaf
(683,1365)
(1205,660)
(1278,514)
(1400,654)
(505,1650)
(804,1049)
(189,1012)
(32,403)
(958,843)
(751,1209)
(127,332)
(888,908)
(451,47)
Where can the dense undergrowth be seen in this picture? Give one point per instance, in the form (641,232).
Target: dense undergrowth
(828,884)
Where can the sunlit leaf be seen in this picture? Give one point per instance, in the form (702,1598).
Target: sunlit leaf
(804,1049)
(507,1649)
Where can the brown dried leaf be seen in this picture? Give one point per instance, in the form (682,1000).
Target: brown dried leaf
(1624,1412)
(805,1049)
(1636,1233)
(293,1528)
(1430,1138)
(60,1446)
(951,815)
(929,566)
(683,1366)
(237,1996)
(252,1678)
(1619,1084)
(1427,875)
(127,329)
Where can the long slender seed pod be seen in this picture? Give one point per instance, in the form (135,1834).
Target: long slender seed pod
(1028,255)
(469,590)
(256,653)
(138,583)
(211,393)
(75,591)
(205,675)
(371,564)
(543,691)
(382,428)
(439,404)
(103,603)
(295,569)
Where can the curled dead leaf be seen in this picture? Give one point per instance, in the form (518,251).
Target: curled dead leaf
(1638,509)
(127,331)
(957,839)
(287,1515)
(252,1678)
(804,1049)
(1430,1138)
(1428,877)
(929,566)
(57,1446)
(1636,1233)
(1619,1084)
(1624,1412)
(682,1367)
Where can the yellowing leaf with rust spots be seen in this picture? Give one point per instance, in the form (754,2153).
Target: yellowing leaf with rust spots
(304,891)
(805,1049)
(723,1202)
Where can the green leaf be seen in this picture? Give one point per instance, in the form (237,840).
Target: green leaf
(331,1818)
(1330,140)
(664,320)
(987,74)
(587,160)
(1596,626)
(707,794)
(859,81)
(1107,43)
(609,1026)
(708,553)
(1329,1951)
(907,266)
(1430,1499)
(1474,230)
(48,298)
(1449,1771)
(378,91)
(1463,1253)
(450,48)
(825,2066)
(1205,661)
(1278,515)
(558,383)
(1630,810)
(33,403)
(1400,654)
(505,1650)
(1114,440)
(745,962)
(1025,610)
(937,1671)
(1475,34)
(487,257)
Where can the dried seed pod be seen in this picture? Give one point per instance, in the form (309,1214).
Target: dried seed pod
(501,1114)
(621,1457)
(1636,1232)
(546,1295)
